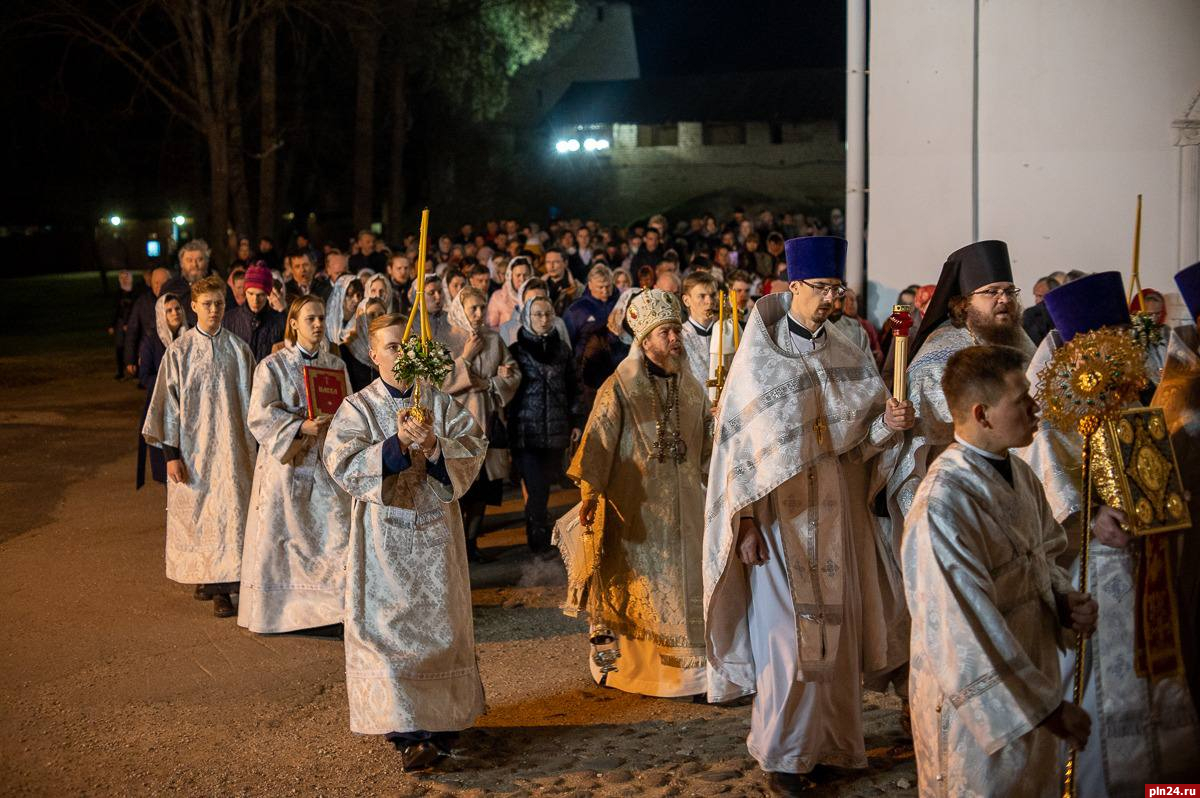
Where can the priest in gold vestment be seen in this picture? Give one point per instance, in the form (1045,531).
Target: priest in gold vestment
(644,455)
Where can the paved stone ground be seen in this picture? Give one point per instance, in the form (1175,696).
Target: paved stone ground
(114,681)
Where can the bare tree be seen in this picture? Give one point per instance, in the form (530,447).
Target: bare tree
(269,132)
(366,51)
(187,54)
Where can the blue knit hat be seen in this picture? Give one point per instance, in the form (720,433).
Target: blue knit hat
(1188,280)
(1086,304)
(814,257)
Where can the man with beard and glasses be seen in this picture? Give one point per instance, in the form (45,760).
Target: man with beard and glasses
(193,266)
(803,413)
(974,303)
(640,469)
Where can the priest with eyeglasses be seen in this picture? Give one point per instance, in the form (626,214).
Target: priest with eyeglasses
(794,608)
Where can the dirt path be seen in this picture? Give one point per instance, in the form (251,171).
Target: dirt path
(114,681)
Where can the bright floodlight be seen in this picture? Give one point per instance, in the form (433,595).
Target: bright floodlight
(602,144)
(115,221)
(573,145)
(562,146)
(179,220)
(589,144)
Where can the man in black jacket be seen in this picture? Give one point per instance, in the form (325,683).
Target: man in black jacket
(255,322)
(141,319)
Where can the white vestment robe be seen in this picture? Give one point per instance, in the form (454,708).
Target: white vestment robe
(294,555)
(199,406)
(697,345)
(795,428)
(1142,732)
(651,593)
(410,640)
(981,581)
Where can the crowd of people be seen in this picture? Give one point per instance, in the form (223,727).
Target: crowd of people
(758,514)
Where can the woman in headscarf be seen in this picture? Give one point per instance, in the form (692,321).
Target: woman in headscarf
(379,286)
(506,302)
(356,349)
(543,416)
(169,322)
(452,282)
(622,279)
(601,351)
(484,379)
(343,300)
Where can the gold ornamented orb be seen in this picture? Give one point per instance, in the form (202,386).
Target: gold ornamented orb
(1125,431)
(1152,468)
(1175,506)
(1143,510)
(1156,427)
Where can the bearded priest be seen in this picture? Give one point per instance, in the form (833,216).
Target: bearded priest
(804,410)
(642,459)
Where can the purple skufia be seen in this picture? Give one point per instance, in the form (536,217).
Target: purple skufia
(1087,304)
(1188,280)
(816,257)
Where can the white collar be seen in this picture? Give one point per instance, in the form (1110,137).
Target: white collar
(978,451)
(200,330)
(701,327)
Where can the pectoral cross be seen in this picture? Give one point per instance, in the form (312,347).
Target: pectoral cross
(819,428)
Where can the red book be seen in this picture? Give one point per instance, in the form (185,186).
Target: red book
(324,390)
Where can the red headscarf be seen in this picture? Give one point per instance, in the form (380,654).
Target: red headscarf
(1135,304)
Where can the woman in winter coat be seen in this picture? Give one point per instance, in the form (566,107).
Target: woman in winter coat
(543,416)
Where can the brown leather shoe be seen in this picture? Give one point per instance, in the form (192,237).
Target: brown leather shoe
(202,593)
(222,606)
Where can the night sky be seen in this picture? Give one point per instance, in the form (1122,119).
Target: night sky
(79,136)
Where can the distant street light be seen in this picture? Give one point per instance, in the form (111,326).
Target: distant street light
(179,220)
(114,220)
(563,146)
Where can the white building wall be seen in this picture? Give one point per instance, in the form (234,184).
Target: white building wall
(1076,102)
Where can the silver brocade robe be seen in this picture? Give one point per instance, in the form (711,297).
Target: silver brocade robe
(410,640)
(294,554)
(792,436)
(1141,732)
(934,428)
(199,406)
(650,566)
(697,347)
(980,574)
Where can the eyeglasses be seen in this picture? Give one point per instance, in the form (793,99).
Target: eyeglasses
(836,291)
(995,293)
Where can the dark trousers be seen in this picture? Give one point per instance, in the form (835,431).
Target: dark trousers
(539,470)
